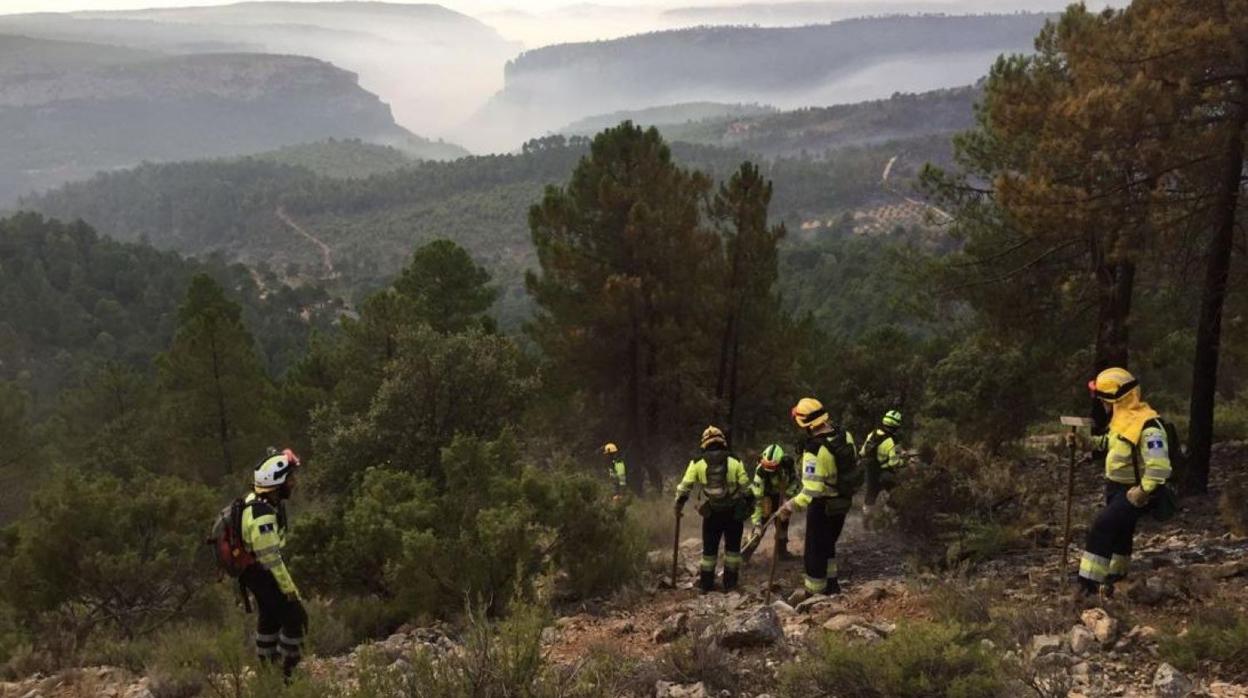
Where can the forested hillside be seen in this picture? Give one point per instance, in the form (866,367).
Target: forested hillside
(816,130)
(69,110)
(843,62)
(670,115)
(254,209)
(71,301)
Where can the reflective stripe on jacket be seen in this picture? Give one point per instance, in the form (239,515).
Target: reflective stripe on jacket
(695,474)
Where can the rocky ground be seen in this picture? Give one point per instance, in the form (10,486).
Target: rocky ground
(1182,569)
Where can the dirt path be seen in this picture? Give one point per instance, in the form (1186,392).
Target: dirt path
(327,254)
(888,170)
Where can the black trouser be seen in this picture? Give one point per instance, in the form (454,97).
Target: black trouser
(824,521)
(717,524)
(772,502)
(280,620)
(1107,555)
(879,479)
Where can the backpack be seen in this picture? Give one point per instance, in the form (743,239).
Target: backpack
(232,555)
(849,473)
(1165,501)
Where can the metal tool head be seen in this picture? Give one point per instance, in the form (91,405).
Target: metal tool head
(1076,421)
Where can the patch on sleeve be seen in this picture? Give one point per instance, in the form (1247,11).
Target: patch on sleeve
(808,465)
(1155,445)
(268,528)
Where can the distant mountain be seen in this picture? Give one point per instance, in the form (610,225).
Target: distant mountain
(843,62)
(433,65)
(690,113)
(69,109)
(815,131)
(820,11)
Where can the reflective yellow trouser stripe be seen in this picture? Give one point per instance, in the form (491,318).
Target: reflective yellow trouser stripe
(707,564)
(732,560)
(1093,567)
(815,585)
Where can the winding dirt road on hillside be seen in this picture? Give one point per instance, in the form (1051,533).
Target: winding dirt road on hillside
(327,254)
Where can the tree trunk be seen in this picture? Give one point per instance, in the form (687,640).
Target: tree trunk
(1213,296)
(223,422)
(1115,285)
(636,444)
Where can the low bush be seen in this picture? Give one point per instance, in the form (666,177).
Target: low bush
(1233,504)
(690,661)
(94,554)
(1213,637)
(489,531)
(969,505)
(920,660)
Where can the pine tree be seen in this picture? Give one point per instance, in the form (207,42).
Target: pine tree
(216,399)
(453,291)
(629,287)
(756,345)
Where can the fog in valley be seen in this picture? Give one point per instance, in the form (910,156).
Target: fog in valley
(484,76)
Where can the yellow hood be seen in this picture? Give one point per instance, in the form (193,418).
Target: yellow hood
(1130,415)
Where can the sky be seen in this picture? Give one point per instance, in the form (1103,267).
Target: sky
(467,6)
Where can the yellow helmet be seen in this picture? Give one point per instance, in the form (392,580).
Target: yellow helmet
(809,413)
(1113,384)
(712,435)
(609,448)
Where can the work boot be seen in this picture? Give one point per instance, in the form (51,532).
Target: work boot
(706,581)
(1086,593)
(834,587)
(730,580)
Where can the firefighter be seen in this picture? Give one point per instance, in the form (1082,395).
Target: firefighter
(616,470)
(1137,464)
(830,474)
(775,480)
(725,505)
(881,458)
(281,619)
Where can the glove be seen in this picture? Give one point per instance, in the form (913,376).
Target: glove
(1138,497)
(867,510)
(680,503)
(785,510)
(294,597)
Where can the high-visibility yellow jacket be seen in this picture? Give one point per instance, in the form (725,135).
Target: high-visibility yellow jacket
(1121,456)
(736,481)
(782,481)
(264,534)
(618,472)
(886,455)
(819,468)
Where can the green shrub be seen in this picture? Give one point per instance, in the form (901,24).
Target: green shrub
(968,504)
(489,531)
(96,554)
(1230,421)
(343,623)
(1213,637)
(919,660)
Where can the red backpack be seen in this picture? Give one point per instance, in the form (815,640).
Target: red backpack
(232,555)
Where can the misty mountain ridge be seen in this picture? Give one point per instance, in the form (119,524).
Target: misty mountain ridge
(842,62)
(71,109)
(822,11)
(433,65)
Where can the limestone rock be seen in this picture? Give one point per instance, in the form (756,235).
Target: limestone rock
(1102,625)
(1046,644)
(1082,640)
(757,628)
(665,689)
(1169,682)
(841,623)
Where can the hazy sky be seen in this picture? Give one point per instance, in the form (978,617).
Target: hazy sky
(470,6)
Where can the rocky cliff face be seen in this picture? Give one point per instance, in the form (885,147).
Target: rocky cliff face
(65,121)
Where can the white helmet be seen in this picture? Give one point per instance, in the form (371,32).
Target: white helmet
(274,470)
